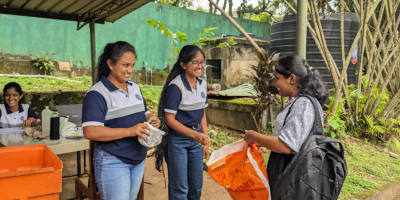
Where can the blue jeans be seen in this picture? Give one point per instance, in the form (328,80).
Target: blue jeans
(185,167)
(114,178)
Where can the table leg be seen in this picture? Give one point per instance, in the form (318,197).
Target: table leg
(78,157)
(84,163)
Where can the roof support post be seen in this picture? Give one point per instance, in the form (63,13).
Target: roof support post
(301,26)
(93,52)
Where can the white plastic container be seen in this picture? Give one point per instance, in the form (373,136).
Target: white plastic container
(46,115)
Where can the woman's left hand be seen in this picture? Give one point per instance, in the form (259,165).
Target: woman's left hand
(248,137)
(154,118)
(205,151)
(28,122)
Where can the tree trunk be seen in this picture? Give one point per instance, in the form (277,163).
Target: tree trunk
(230,8)
(210,9)
(215,10)
(224,7)
(240,29)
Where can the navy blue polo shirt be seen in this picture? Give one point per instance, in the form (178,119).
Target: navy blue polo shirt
(187,103)
(106,105)
(15,119)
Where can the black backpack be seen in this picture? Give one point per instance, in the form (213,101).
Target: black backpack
(318,171)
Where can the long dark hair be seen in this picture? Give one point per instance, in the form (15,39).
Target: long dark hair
(112,51)
(309,79)
(187,53)
(16,87)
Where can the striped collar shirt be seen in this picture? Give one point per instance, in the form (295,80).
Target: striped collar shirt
(107,105)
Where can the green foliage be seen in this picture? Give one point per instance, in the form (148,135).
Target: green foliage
(151,94)
(340,105)
(181,38)
(337,126)
(44,61)
(32,85)
(204,36)
(362,97)
(262,77)
(222,45)
(174,38)
(177,3)
(372,127)
(396,144)
(395,121)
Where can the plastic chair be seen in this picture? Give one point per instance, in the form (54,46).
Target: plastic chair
(89,190)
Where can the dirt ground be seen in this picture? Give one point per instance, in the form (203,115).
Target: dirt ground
(154,182)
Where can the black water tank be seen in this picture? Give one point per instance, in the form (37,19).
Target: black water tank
(283,41)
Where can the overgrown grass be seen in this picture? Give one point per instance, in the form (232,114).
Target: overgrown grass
(31,85)
(370,168)
(221,136)
(151,93)
(36,85)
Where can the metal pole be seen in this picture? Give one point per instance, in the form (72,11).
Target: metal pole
(93,52)
(78,157)
(301,33)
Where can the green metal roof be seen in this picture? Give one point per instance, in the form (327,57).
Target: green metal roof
(82,11)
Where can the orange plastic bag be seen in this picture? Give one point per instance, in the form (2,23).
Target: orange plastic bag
(241,169)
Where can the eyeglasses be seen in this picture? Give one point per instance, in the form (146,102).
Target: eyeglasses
(198,63)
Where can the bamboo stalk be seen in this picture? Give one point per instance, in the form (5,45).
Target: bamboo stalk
(382,89)
(321,44)
(378,52)
(391,124)
(321,38)
(330,60)
(387,15)
(314,35)
(382,43)
(345,66)
(375,82)
(361,52)
(386,58)
(377,35)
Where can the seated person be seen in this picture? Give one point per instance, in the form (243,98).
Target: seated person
(13,113)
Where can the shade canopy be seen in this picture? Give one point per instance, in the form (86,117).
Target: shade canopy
(82,11)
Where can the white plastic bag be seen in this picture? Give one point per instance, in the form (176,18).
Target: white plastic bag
(154,139)
(67,128)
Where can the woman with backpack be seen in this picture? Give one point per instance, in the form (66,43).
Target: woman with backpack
(294,78)
(182,105)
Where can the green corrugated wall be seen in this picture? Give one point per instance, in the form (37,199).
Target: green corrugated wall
(22,36)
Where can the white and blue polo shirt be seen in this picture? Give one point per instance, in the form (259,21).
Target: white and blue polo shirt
(187,103)
(107,105)
(15,119)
